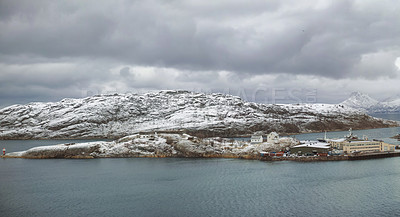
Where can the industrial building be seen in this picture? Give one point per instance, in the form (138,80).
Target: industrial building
(311,148)
(366,146)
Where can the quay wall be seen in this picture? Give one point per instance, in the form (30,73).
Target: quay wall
(332,158)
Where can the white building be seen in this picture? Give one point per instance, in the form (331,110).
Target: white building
(273,138)
(256,139)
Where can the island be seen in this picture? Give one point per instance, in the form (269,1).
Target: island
(268,148)
(158,145)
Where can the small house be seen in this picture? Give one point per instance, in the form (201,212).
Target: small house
(256,139)
(273,138)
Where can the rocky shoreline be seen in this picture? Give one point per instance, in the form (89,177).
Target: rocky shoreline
(246,157)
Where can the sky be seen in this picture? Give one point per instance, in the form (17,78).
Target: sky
(293,51)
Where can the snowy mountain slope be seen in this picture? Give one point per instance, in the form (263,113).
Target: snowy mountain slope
(390,105)
(114,116)
(393,99)
(365,103)
(360,101)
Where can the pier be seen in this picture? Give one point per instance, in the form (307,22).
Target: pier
(365,156)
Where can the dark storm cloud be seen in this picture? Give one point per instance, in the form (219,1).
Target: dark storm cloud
(261,37)
(59,48)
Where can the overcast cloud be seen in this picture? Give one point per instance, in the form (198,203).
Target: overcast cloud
(55,49)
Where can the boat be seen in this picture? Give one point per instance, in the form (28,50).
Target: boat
(396,137)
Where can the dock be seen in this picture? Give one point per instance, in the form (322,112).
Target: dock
(374,156)
(365,156)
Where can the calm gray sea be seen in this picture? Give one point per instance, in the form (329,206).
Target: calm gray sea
(198,187)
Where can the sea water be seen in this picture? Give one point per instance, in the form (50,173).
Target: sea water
(199,187)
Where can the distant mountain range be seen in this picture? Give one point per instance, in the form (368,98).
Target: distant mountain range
(200,114)
(364,102)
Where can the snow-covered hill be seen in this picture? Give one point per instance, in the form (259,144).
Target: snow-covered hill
(360,101)
(115,116)
(365,103)
(390,105)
